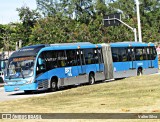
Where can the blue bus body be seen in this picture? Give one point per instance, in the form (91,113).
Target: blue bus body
(56,65)
(130,64)
(51,76)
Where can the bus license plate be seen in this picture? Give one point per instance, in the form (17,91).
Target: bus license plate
(16,89)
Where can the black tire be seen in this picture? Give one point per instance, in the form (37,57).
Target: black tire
(53,85)
(139,72)
(28,91)
(91,79)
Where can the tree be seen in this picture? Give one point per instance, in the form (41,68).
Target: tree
(28,18)
(149,11)
(48,7)
(6,37)
(80,10)
(81,20)
(52,30)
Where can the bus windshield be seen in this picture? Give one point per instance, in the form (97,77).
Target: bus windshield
(20,67)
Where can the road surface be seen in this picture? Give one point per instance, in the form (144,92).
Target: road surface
(6,96)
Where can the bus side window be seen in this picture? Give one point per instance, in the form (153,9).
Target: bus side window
(71,58)
(151,53)
(122,54)
(61,58)
(139,53)
(144,53)
(89,56)
(51,59)
(115,56)
(154,53)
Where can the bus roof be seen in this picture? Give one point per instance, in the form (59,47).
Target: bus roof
(76,43)
(28,50)
(131,44)
(34,49)
(65,46)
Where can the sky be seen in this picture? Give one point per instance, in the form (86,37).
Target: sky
(8,11)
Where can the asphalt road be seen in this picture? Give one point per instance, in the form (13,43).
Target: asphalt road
(6,96)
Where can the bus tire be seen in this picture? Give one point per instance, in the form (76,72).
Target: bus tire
(139,72)
(91,79)
(28,91)
(53,85)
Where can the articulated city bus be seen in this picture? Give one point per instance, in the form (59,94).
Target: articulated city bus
(53,66)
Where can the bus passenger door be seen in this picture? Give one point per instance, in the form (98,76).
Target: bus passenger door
(82,78)
(150,57)
(41,70)
(99,60)
(81,62)
(131,58)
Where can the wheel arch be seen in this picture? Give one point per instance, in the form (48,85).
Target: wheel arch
(140,68)
(92,72)
(51,79)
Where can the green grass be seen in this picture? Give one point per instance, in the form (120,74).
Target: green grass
(136,94)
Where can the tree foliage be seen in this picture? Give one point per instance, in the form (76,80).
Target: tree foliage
(63,21)
(28,18)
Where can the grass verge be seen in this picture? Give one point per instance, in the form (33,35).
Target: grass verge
(130,95)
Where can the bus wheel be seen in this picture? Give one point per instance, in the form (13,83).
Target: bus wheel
(28,91)
(139,72)
(91,79)
(53,85)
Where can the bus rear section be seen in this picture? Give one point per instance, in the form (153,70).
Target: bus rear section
(132,59)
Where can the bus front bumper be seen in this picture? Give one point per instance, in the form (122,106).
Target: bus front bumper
(10,88)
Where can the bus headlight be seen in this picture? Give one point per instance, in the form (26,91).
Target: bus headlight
(5,83)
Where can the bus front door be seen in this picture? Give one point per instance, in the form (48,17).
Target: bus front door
(82,76)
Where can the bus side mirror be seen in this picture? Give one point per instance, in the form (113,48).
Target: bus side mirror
(40,62)
(2,65)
